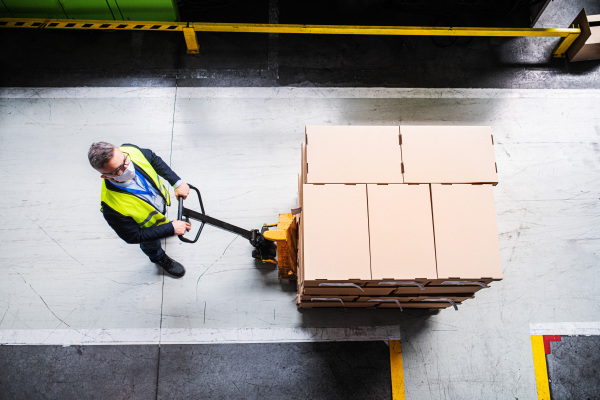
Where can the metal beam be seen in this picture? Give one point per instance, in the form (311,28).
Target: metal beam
(568,34)
(42,23)
(191,40)
(561,48)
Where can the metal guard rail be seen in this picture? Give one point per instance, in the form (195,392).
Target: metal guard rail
(189,29)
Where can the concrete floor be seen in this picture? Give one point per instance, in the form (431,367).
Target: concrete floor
(312,370)
(567,382)
(68,280)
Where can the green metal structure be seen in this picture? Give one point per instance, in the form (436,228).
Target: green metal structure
(116,10)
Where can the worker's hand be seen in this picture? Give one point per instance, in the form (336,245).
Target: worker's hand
(181,227)
(182,190)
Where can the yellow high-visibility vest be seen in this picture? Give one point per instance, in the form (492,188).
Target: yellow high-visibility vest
(129,205)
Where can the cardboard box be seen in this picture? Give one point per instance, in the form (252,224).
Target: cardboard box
(353,154)
(367,240)
(466,237)
(395,304)
(386,303)
(433,306)
(299,221)
(309,298)
(448,154)
(413,283)
(304,165)
(336,233)
(346,291)
(334,304)
(401,299)
(334,282)
(479,281)
(401,232)
(587,44)
(456,297)
(434,302)
(436,290)
(300,196)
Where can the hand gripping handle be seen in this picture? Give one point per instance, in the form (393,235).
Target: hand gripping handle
(182,217)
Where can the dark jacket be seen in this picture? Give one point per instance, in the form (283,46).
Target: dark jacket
(126,227)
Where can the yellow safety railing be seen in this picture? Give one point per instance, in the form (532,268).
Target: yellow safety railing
(189,29)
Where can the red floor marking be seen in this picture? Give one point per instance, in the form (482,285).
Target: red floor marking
(548,339)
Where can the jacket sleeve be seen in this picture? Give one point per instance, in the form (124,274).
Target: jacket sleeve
(128,230)
(159,165)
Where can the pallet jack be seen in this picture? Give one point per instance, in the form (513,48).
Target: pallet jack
(276,246)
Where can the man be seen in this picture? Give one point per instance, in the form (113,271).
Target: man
(134,199)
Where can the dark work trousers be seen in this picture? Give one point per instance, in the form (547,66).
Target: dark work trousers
(153,250)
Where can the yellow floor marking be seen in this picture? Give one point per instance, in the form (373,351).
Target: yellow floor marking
(397,369)
(541,369)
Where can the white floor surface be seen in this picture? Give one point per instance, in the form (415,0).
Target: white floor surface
(68,279)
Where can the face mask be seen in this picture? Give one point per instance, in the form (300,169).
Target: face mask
(127,175)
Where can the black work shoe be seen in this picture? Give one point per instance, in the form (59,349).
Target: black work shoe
(171,266)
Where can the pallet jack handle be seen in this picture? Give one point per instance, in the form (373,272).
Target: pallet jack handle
(184,214)
(186,218)
(265,242)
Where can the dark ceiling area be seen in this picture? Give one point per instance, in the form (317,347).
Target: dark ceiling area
(46,57)
(501,13)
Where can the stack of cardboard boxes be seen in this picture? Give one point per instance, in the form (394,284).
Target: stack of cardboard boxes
(396,217)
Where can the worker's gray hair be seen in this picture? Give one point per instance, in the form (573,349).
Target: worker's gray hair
(100,153)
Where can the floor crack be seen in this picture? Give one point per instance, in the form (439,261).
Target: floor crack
(5,312)
(49,309)
(58,244)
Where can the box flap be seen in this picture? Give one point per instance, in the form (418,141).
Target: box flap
(448,154)
(401,232)
(303,166)
(353,154)
(466,236)
(575,52)
(336,232)
(594,22)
